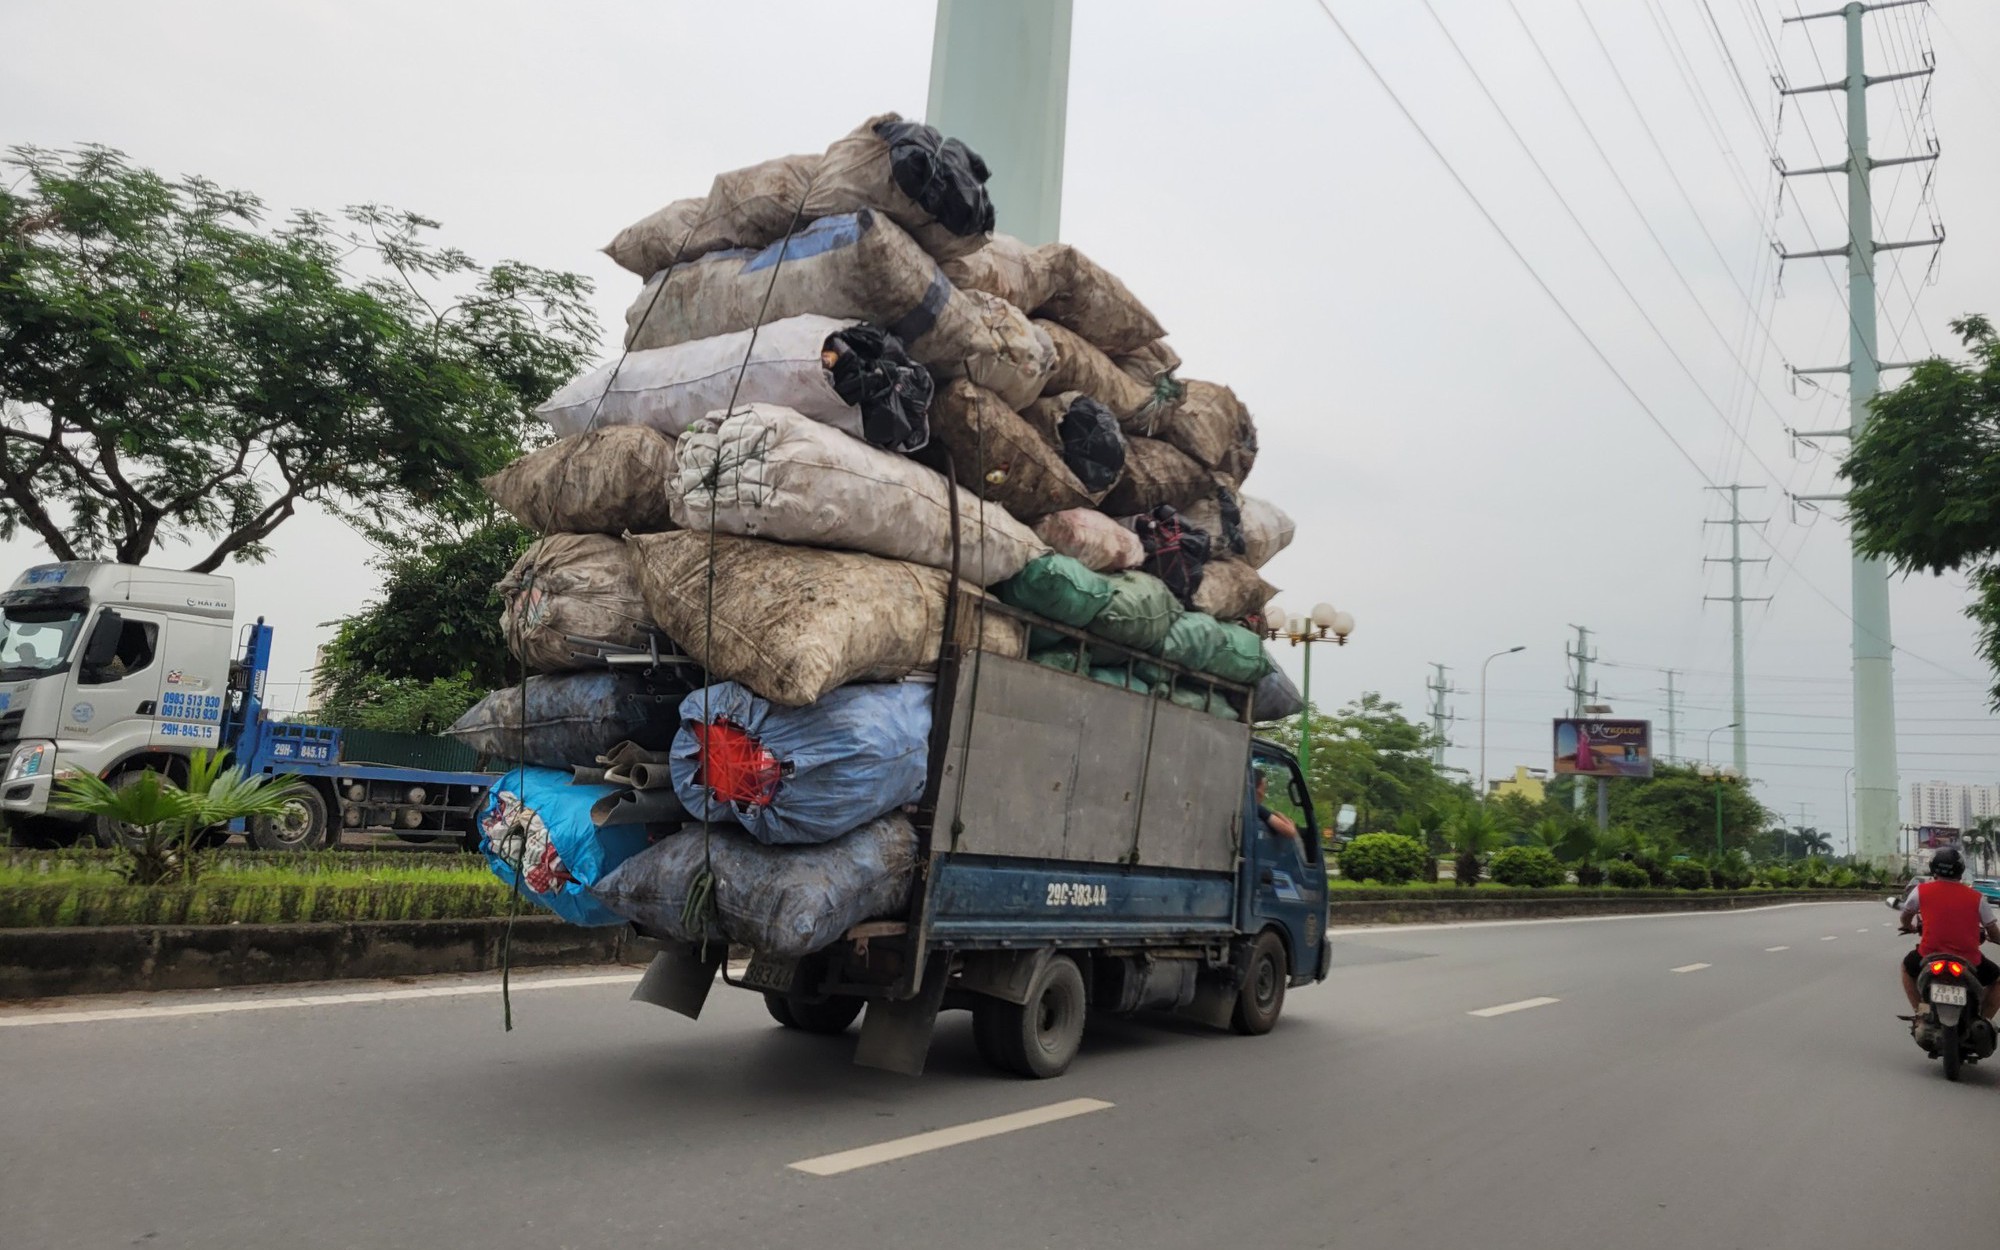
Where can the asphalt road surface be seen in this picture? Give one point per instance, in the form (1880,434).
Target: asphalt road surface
(1717,1080)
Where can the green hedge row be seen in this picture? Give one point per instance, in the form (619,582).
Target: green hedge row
(218,901)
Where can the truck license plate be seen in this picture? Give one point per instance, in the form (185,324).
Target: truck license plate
(1949,995)
(775,975)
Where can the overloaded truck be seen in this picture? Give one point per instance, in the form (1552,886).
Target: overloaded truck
(1081,848)
(113,669)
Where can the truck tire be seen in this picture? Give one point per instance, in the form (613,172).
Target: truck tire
(107,832)
(1038,1038)
(302,827)
(827,1017)
(1262,997)
(44,832)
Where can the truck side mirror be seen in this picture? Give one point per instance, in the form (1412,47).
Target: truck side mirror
(103,645)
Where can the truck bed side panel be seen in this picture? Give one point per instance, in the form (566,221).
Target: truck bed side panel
(1057,765)
(990,900)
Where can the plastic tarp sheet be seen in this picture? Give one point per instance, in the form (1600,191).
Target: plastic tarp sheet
(1156,473)
(1140,612)
(569,719)
(782,901)
(571,586)
(535,818)
(1059,283)
(670,388)
(871,370)
(793,623)
(1231,590)
(1093,539)
(860,266)
(768,472)
(1240,657)
(1202,699)
(996,453)
(1277,696)
(807,774)
(1060,588)
(608,481)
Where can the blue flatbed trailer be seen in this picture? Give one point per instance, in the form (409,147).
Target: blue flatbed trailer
(1083,846)
(340,791)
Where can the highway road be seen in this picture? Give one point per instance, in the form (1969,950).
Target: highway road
(1715,1080)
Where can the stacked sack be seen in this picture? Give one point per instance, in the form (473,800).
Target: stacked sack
(834,366)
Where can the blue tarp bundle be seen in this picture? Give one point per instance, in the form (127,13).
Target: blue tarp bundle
(802,774)
(784,901)
(536,818)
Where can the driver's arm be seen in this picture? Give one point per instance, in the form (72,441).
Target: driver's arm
(1910,908)
(1282,825)
(1989,919)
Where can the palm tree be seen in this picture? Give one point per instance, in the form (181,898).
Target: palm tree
(170,818)
(1470,832)
(1548,833)
(1814,842)
(1983,839)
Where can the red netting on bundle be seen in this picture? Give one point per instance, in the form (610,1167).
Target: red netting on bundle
(735,766)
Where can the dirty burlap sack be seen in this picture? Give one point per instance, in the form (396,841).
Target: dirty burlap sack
(861,266)
(1156,473)
(1231,590)
(792,623)
(767,472)
(1059,283)
(571,586)
(1081,367)
(659,239)
(1251,528)
(1213,427)
(607,481)
(996,453)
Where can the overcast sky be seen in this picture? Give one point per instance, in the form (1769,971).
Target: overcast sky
(1466,473)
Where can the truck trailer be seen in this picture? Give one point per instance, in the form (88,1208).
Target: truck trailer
(114,669)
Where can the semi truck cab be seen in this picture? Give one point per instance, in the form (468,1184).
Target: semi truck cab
(104,668)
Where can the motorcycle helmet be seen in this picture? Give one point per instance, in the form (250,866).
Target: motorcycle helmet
(1948,864)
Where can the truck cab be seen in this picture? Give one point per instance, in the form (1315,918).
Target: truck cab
(106,668)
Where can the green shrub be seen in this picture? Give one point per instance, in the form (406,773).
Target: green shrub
(1388,857)
(1587,873)
(1534,866)
(1626,875)
(1686,874)
(1731,872)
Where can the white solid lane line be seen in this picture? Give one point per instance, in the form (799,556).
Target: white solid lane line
(1690,967)
(1505,1008)
(939,1139)
(1769,949)
(29,1018)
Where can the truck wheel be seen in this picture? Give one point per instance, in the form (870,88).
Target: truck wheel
(1263,994)
(828,1017)
(301,827)
(43,832)
(1038,1038)
(107,832)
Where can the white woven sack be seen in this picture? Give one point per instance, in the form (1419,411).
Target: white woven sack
(670,388)
(768,472)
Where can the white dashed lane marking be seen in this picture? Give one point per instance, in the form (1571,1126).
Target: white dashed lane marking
(1508,1008)
(1691,967)
(939,1139)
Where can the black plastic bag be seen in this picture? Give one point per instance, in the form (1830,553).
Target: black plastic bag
(1231,510)
(1177,550)
(1092,444)
(945,178)
(871,370)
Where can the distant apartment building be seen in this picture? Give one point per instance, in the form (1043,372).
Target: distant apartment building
(1951,804)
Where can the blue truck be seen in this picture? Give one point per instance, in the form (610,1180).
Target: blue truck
(1084,847)
(116,668)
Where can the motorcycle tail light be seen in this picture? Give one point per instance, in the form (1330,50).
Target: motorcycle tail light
(1957,969)
(1937,967)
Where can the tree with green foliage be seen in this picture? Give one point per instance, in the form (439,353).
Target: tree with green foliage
(1371,755)
(173,370)
(159,825)
(430,646)
(1471,832)
(1676,803)
(1924,476)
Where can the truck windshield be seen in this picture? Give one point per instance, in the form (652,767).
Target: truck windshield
(36,640)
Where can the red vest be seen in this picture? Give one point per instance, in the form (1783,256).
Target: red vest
(1951,919)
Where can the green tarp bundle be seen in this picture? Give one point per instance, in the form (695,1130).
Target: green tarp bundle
(1140,612)
(1059,588)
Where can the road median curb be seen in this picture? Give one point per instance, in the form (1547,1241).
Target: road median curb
(111,959)
(1483,906)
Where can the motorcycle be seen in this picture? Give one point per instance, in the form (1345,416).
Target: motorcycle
(1950,1026)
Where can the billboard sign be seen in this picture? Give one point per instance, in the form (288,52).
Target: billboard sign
(1936,837)
(1604,748)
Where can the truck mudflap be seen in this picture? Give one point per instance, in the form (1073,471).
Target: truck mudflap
(680,977)
(896,1033)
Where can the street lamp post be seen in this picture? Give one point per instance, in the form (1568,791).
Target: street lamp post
(1846,815)
(1708,748)
(1324,625)
(1718,775)
(1482,714)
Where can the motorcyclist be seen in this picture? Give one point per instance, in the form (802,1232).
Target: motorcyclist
(1956,918)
